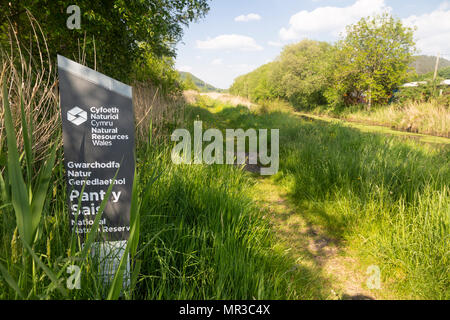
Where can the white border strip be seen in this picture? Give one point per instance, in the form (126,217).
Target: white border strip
(94,76)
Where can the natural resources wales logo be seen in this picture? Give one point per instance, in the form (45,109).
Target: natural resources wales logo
(77,116)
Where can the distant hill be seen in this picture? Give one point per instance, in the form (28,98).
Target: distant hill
(202,85)
(426,64)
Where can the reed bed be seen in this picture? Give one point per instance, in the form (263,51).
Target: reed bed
(427,117)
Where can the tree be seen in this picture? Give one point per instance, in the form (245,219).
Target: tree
(300,74)
(255,85)
(125,31)
(372,61)
(189,84)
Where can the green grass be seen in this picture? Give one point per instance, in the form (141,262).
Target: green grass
(201,238)
(208,240)
(391,199)
(387,198)
(202,235)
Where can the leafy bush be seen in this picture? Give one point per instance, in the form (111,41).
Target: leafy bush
(413,94)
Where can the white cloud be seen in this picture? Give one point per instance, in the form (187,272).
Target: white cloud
(444,5)
(217,62)
(230,41)
(330,20)
(433,30)
(248,17)
(185,68)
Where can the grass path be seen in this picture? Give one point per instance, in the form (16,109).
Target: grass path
(340,274)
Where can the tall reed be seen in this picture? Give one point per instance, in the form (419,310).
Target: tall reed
(156,115)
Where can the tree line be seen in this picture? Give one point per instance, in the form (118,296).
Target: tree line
(366,65)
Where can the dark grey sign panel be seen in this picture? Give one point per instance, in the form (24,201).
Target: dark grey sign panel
(98,136)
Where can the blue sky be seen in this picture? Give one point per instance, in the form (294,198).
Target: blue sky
(238,36)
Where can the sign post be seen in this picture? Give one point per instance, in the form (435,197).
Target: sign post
(98,136)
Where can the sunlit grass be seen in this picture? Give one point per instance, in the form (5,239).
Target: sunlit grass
(389,198)
(386,195)
(202,236)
